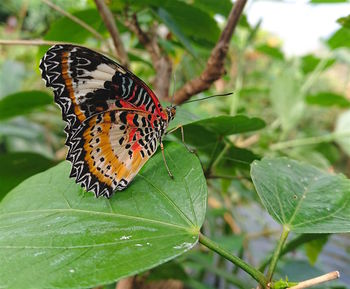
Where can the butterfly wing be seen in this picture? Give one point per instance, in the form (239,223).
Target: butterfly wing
(86,82)
(113,118)
(109,149)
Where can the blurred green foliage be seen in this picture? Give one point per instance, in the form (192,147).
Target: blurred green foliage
(295,107)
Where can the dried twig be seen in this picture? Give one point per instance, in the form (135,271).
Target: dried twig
(162,63)
(40,42)
(318,280)
(74,19)
(109,21)
(33,42)
(215,65)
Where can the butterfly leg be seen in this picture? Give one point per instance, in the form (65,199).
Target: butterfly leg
(166,165)
(182,137)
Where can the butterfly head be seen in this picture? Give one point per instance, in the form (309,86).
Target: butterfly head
(171,112)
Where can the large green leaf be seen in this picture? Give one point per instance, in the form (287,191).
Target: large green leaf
(16,167)
(23,103)
(299,196)
(207,136)
(52,235)
(224,125)
(327,99)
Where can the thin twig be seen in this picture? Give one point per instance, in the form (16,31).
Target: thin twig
(34,42)
(161,61)
(109,21)
(40,42)
(215,65)
(318,280)
(74,19)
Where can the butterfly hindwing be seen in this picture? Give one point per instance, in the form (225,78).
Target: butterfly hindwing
(109,149)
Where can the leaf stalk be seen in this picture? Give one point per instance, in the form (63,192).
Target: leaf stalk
(277,252)
(256,274)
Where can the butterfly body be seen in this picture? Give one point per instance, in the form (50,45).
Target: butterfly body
(114,120)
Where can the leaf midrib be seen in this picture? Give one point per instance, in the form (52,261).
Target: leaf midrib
(92,245)
(98,213)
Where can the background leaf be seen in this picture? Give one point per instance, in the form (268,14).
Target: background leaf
(48,222)
(327,99)
(305,199)
(274,52)
(341,38)
(16,167)
(22,103)
(309,62)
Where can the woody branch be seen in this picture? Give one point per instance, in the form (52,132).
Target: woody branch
(108,19)
(215,64)
(160,60)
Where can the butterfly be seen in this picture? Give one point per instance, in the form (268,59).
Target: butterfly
(114,121)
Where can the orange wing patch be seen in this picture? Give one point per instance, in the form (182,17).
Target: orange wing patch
(113,151)
(68,81)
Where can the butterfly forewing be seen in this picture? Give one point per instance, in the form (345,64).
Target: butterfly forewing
(114,120)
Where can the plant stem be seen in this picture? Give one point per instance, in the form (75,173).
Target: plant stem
(277,253)
(309,141)
(256,274)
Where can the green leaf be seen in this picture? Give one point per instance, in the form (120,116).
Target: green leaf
(224,125)
(206,135)
(341,38)
(213,7)
(183,117)
(344,21)
(287,100)
(169,21)
(186,19)
(274,52)
(52,234)
(314,248)
(342,130)
(16,167)
(22,103)
(327,99)
(309,63)
(299,196)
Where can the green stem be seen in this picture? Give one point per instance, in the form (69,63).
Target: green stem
(221,154)
(256,274)
(314,75)
(277,253)
(309,141)
(292,245)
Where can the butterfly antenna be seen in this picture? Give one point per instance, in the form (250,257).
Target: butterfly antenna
(215,95)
